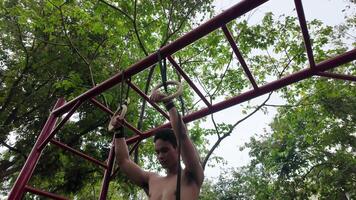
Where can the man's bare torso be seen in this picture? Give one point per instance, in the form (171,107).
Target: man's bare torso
(164,188)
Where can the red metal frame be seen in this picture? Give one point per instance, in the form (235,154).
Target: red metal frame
(239,56)
(167,51)
(202,30)
(76,152)
(143,95)
(190,82)
(26,172)
(303,25)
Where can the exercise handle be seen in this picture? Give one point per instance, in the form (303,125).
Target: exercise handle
(119,114)
(172,96)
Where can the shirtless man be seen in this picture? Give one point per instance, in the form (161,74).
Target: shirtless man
(164,187)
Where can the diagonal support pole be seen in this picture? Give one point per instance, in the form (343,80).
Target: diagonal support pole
(107,110)
(190,82)
(44,193)
(239,56)
(143,95)
(78,153)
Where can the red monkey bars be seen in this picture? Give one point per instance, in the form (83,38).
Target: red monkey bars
(220,21)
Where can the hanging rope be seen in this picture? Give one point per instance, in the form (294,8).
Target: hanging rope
(124,101)
(179,139)
(163,70)
(122,107)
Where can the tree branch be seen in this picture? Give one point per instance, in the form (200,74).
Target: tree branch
(13,149)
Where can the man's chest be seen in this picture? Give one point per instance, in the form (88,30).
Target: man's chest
(162,188)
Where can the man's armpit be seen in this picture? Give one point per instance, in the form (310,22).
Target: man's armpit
(190,177)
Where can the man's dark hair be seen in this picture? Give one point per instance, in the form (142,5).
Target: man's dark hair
(166,134)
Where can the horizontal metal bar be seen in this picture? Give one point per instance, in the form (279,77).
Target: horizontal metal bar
(303,26)
(228,15)
(190,82)
(76,152)
(272,86)
(44,193)
(239,56)
(143,95)
(337,76)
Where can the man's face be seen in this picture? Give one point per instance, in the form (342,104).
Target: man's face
(166,154)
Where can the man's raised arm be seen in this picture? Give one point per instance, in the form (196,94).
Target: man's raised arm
(127,166)
(189,153)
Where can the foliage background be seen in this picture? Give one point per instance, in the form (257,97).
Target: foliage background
(52,49)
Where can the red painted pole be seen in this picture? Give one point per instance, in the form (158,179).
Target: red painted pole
(76,152)
(107,175)
(239,56)
(143,95)
(64,120)
(190,82)
(18,188)
(305,32)
(107,110)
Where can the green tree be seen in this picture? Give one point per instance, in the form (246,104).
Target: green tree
(310,150)
(52,49)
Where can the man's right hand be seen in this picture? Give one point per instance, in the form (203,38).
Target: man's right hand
(156,96)
(115,122)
